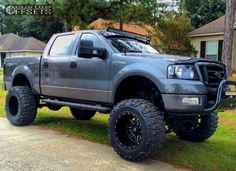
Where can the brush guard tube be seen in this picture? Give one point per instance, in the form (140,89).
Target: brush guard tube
(223,102)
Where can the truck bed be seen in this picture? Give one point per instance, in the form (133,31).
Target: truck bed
(30,66)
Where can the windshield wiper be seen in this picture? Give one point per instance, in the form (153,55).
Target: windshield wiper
(135,51)
(138,51)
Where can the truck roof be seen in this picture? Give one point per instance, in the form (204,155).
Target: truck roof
(110,32)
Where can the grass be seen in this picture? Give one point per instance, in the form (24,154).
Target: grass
(1,71)
(217,153)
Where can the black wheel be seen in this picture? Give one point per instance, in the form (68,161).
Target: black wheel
(21,106)
(82,114)
(136,129)
(198,128)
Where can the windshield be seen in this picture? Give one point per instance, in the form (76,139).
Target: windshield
(122,45)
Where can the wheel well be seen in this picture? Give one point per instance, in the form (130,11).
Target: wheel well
(138,87)
(20,80)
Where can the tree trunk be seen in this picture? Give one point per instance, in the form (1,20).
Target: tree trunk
(229,35)
(121,23)
(121,15)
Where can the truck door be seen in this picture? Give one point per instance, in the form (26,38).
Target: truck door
(55,67)
(89,76)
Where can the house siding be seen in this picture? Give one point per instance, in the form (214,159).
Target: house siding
(196,42)
(24,54)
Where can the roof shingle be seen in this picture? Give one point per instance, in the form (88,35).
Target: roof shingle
(12,42)
(28,44)
(138,28)
(7,40)
(214,27)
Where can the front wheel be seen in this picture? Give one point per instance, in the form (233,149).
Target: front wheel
(136,129)
(21,106)
(197,128)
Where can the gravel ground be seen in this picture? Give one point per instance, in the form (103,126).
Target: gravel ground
(35,148)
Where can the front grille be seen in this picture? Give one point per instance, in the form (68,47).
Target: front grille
(212,75)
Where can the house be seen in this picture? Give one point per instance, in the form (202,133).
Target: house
(13,45)
(139,28)
(208,41)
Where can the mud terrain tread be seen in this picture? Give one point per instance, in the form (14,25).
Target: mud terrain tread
(27,106)
(155,124)
(206,131)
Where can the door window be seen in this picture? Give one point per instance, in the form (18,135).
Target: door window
(61,45)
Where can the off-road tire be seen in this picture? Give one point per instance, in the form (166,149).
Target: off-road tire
(21,106)
(82,114)
(205,130)
(153,129)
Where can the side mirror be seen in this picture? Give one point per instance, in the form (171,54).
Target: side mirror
(87,50)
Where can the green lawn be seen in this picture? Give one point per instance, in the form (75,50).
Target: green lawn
(1,71)
(218,153)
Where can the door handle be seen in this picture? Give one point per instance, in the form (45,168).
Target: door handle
(45,64)
(73,65)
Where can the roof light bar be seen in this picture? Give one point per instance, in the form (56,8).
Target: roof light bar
(140,37)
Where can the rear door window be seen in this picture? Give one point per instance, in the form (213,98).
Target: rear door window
(61,45)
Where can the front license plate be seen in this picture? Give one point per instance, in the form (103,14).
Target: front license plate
(191,100)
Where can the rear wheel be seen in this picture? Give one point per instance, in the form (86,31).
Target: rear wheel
(82,114)
(197,128)
(21,106)
(136,129)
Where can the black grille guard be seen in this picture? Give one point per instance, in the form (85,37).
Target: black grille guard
(223,102)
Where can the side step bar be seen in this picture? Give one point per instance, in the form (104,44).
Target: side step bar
(78,105)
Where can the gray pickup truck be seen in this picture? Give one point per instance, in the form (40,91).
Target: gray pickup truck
(147,94)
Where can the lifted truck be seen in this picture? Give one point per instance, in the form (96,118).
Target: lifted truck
(146,93)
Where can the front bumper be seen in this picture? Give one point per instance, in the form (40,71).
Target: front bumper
(224,101)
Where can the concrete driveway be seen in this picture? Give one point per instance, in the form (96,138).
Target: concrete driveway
(35,148)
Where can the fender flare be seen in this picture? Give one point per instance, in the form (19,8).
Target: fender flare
(147,75)
(24,70)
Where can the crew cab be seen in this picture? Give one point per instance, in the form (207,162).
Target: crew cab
(147,94)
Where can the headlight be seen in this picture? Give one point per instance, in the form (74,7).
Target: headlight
(182,72)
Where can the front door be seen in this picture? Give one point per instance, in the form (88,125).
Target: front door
(89,76)
(55,67)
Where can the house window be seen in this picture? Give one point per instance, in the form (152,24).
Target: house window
(2,57)
(212,50)
(17,54)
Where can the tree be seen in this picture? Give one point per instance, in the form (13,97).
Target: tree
(40,27)
(202,12)
(146,11)
(66,15)
(229,34)
(171,32)
(119,6)
(79,13)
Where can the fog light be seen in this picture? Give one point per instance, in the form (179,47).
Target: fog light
(191,100)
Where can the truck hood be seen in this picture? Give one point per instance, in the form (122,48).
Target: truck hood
(169,58)
(159,56)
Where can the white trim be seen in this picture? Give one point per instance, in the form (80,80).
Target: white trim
(205,34)
(9,51)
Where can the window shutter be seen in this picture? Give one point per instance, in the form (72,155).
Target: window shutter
(220,47)
(203,49)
